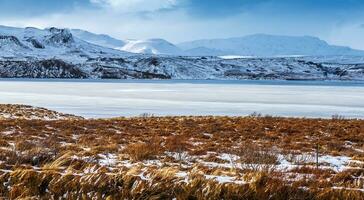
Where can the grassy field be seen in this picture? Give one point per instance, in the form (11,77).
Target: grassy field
(179,157)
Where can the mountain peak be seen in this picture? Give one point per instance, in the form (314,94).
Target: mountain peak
(48,43)
(152,46)
(98,39)
(60,36)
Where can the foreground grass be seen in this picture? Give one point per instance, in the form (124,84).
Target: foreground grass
(182,157)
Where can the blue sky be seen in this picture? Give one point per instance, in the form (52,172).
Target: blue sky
(339,22)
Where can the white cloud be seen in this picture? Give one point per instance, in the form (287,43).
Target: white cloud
(136,5)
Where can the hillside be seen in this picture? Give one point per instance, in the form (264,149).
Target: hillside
(19,43)
(151,46)
(270,45)
(98,39)
(8,111)
(252,45)
(57,53)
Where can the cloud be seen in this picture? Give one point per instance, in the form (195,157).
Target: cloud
(284,9)
(19,8)
(220,8)
(128,6)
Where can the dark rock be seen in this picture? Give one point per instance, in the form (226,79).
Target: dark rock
(36,43)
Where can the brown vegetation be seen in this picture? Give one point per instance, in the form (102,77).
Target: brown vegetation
(179,157)
(11,111)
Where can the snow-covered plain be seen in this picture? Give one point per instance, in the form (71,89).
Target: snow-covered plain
(102,99)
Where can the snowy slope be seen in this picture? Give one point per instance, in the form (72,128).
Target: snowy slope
(98,39)
(57,53)
(260,45)
(49,43)
(152,46)
(149,46)
(271,45)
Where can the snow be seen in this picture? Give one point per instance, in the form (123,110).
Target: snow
(236,98)
(57,53)
(10,132)
(338,163)
(225,179)
(345,188)
(228,157)
(243,47)
(98,39)
(270,45)
(151,46)
(108,159)
(52,43)
(85,50)
(220,179)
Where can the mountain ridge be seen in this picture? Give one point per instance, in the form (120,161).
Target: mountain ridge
(272,45)
(151,46)
(57,53)
(250,45)
(49,43)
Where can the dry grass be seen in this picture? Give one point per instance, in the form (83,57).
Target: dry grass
(179,157)
(11,111)
(143,151)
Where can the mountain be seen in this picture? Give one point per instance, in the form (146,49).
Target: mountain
(259,45)
(58,53)
(49,43)
(98,39)
(203,51)
(152,46)
(149,46)
(269,45)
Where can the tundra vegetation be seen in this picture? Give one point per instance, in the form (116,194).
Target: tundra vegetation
(254,157)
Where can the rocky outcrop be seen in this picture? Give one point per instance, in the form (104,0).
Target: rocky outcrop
(182,68)
(60,37)
(12,41)
(40,69)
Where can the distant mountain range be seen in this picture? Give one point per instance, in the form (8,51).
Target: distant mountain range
(252,45)
(63,53)
(270,45)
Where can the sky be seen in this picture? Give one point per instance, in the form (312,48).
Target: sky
(339,22)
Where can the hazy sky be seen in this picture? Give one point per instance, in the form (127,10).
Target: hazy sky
(339,22)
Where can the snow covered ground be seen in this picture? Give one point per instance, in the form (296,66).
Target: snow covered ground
(57,53)
(101,99)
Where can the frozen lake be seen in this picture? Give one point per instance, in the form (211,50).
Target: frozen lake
(99,99)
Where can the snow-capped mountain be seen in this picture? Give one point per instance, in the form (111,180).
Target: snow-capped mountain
(149,46)
(49,43)
(259,45)
(268,45)
(98,39)
(152,46)
(57,53)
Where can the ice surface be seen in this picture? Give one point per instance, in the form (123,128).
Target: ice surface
(99,99)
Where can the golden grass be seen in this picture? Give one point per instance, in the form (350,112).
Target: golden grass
(83,159)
